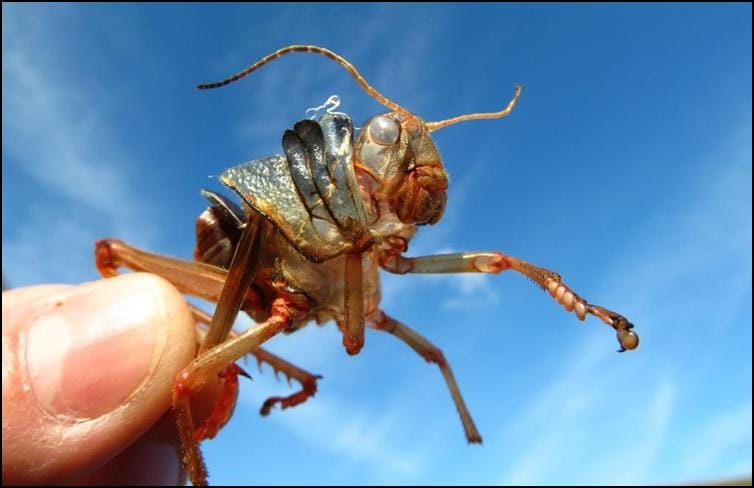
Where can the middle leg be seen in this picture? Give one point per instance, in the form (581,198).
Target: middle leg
(430,352)
(307,380)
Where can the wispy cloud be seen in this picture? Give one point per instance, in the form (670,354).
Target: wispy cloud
(56,133)
(361,435)
(558,426)
(471,290)
(554,421)
(659,414)
(46,250)
(58,138)
(720,443)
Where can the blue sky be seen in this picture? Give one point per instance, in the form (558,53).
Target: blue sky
(626,167)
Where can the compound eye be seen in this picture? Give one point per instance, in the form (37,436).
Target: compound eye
(384,130)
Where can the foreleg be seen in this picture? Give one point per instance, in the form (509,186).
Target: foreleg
(193,378)
(496,262)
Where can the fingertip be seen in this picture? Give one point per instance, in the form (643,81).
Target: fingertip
(101,362)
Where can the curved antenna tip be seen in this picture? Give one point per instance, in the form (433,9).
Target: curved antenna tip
(433,126)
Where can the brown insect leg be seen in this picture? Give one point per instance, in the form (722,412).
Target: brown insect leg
(243,267)
(224,406)
(432,354)
(229,289)
(353,334)
(211,359)
(207,283)
(307,380)
(495,262)
(193,378)
(188,277)
(197,279)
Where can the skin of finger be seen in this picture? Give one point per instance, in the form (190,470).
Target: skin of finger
(155,458)
(38,447)
(19,297)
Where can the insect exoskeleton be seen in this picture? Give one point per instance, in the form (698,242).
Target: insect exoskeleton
(403,167)
(316,225)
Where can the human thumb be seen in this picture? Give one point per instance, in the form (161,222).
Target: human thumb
(87,370)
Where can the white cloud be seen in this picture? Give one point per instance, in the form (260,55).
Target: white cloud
(63,144)
(721,442)
(47,250)
(563,424)
(714,234)
(342,427)
(471,290)
(643,457)
(57,135)
(552,419)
